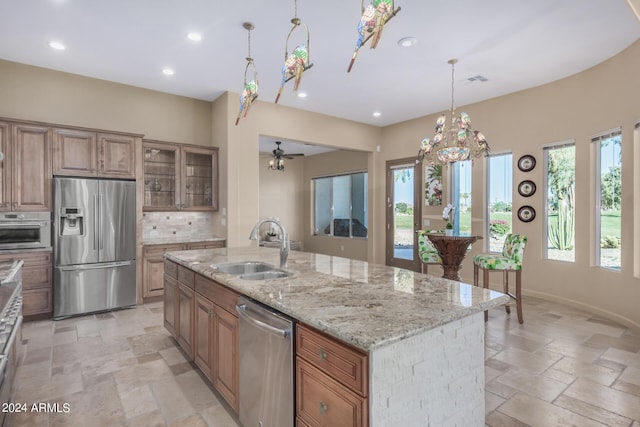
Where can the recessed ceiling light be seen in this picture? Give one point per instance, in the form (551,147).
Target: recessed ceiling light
(377,114)
(57,45)
(168,71)
(407,41)
(193,36)
(302,94)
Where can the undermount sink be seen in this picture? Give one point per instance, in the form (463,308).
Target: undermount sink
(252,270)
(265,275)
(243,267)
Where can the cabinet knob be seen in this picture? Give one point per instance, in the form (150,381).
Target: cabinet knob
(322,354)
(323,408)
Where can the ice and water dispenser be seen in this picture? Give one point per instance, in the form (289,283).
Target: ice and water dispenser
(71,222)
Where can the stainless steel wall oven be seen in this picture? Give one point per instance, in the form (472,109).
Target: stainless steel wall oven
(25,230)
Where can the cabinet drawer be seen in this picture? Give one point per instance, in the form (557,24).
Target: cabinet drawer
(171,269)
(345,364)
(322,401)
(36,301)
(160,249)
(38,277)
(206,245)
(219,294)
(186,276)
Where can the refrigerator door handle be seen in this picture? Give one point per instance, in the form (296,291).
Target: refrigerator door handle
(100,234)
(94,266)
(96,222)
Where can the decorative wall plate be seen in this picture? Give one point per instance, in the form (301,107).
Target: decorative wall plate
(526,188)
(526,214)
(526,163)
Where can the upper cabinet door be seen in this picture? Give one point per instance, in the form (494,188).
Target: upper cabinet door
(31,168)
(5,168)
(74,153)
(199,170)
(161,163)
(116,156)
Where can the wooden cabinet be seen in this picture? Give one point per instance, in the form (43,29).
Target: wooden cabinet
(26,167)
(225,356)
(79,152)
(153,263)
(179,177)
(331,381)
(186,306)
(37,302)
(153,268)
(213,325)
(203,335)
(171,305)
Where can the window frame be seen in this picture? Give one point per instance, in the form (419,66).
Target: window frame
(332,205)
(545,191)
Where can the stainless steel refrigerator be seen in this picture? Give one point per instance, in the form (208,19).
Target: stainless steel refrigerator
(94,245)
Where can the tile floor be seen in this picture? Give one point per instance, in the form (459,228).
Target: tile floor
(563,367)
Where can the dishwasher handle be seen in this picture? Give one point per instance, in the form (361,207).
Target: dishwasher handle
(241,309)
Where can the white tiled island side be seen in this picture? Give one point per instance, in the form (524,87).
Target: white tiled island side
(422,336)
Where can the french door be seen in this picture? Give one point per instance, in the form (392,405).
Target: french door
(403,213)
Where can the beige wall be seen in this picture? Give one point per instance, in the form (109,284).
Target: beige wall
(332,163)
(575,108)
(32,93)
(282,195)
(265,118)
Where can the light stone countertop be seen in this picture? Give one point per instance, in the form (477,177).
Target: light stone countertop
(366,305)
(182,239)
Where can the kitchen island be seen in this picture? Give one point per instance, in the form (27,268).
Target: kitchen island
(421,337)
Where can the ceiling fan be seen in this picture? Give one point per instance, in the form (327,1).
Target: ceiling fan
(277,163)
(279,153)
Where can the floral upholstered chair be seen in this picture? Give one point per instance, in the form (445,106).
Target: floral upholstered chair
(426,251)
(510,260)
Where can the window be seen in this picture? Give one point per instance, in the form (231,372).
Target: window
(461,183)
(499,198)
(341,205)
(560,184)
(608,150)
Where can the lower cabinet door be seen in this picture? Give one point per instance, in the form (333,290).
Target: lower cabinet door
(170,305)
(185,319)
(203,336)
(322,401)
(225,356)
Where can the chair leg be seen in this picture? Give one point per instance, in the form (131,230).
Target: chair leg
(519,295)
(485,284)
(422,268)
(505,287)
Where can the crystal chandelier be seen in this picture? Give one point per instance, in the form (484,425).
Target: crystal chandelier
(456,143)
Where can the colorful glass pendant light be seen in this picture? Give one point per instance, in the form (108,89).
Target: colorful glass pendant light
(250,90)
(296,62)
(372,22)
(456,142)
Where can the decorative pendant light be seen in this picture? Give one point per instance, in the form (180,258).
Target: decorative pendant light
(297,62)
(456,143)
(372,22)
(277,162)
(250,90)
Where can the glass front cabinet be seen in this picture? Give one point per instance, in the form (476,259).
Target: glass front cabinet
(179,177)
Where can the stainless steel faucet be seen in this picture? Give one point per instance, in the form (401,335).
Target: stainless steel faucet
(285,244)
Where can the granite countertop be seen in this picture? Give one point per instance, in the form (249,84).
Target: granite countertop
(366,305)
(181,239)
(9,271)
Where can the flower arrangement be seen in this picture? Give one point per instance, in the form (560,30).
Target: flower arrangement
(447,215)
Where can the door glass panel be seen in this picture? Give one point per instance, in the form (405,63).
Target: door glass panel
(199,182)
(159,177)
(403,197)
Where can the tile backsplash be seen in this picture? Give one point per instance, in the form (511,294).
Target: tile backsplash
(179,225)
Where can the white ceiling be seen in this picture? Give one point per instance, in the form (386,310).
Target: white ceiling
(515,44)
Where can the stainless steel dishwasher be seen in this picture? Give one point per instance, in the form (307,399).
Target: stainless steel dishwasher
(266,366)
